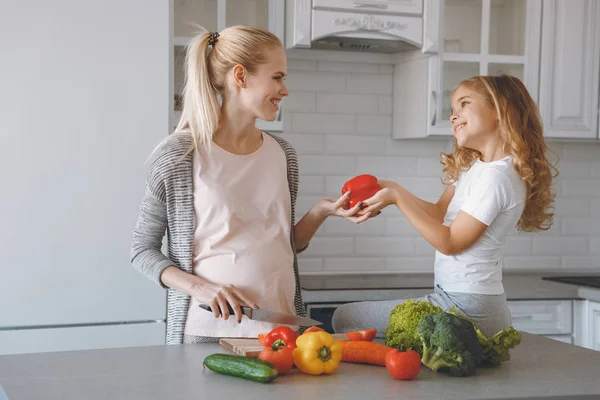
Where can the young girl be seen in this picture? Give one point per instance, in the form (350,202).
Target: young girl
(497,178)
(225,193)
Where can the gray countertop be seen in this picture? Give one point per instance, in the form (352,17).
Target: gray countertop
(344,288)
(539,367)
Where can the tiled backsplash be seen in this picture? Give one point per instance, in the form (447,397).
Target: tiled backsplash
(338,117)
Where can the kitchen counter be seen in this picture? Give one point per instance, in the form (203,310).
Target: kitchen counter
(345,288)
(539,367)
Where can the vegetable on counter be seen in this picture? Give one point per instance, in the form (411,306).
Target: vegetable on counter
(361,187)
(364,352)
(495,348)
(403,365)
(262,338)
(366,335)
(241,367)
(449,342)
(281,357)
(317,353)
(404,319)
(314,329)
(281,336)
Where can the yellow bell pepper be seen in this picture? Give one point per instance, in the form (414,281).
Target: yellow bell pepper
(317,353)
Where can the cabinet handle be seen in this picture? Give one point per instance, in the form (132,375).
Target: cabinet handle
(522,317)
(360,4)
(434,97)
(535,317)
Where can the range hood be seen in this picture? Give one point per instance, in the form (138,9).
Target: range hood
(344,26)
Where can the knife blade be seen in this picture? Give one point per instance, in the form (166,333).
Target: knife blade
(270,316)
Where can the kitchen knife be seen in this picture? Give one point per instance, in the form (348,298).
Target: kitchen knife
(270,316)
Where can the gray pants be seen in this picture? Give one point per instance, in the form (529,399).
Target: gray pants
(489,312)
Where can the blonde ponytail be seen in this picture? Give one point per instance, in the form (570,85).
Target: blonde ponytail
(201,108)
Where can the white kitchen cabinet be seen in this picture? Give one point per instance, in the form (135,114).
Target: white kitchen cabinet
(67,338)
(593,325)
(216,15)
(570,68)
(587,324)
(379,6)
(561,338)
(542,317)
(463,38)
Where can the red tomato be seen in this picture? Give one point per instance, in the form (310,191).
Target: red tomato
(366,335)
(361,188)
(281,358)
(403,364)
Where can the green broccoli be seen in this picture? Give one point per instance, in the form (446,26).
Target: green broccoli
(449,342)
(495,348)
(404,319)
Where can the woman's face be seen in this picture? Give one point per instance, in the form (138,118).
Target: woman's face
(265,88)
(473,119)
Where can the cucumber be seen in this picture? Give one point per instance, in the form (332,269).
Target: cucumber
(242,367)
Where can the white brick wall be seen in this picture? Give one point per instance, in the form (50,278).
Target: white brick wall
(338,117)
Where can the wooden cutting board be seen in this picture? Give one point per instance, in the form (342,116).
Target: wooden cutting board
(251,348)
(243,347)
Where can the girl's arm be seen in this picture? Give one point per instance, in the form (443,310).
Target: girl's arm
(436,211)
(306,228)
(462,234)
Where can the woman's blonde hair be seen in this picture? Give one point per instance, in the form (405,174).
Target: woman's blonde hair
(207,61)
(521,131)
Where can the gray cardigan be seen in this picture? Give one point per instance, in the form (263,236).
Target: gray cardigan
(168,205)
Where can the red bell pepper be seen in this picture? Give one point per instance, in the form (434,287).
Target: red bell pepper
(281,336)
(361,188)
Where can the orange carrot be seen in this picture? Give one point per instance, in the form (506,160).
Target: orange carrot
(364,352)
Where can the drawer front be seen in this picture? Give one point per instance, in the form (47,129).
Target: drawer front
(360,25)
(561,338)
(380,6)
(544,317)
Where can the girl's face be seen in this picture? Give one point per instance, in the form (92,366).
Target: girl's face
(265,88)
(473,119)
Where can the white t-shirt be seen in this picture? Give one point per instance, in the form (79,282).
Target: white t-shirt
(242,210)
(494,194)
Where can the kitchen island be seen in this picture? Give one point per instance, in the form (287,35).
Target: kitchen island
(539,368)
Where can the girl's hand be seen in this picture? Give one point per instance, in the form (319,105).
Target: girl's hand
(386,196)
(335,207)
(219,296)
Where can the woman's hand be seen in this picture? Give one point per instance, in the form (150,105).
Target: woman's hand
(335,207)
(386,196)
(219,296)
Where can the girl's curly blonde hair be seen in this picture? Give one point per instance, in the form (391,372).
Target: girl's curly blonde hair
(520,128)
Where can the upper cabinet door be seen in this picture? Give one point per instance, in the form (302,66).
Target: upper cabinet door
(484,37)
(570,69)
(463,38)
(384,6)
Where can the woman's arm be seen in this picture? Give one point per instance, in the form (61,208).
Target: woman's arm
(462,234)
(306,228)
(216,296)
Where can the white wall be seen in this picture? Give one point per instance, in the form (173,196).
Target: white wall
(338,117)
